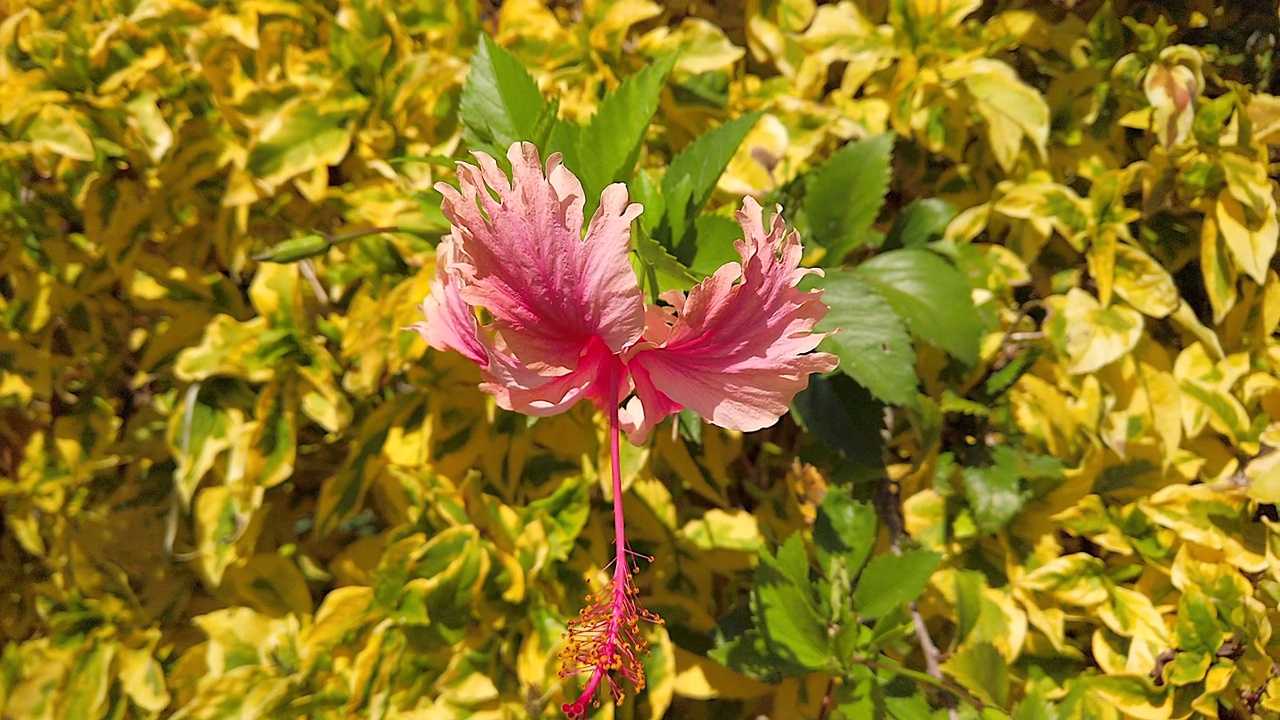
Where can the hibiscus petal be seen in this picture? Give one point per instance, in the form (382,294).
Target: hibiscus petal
(739,350)
(524,259)
(516,388)
(450,322)
(562,306)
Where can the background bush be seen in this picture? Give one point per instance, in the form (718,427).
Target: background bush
(237,488)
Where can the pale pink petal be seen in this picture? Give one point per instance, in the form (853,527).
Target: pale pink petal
(450,322)
(562,306)
(524,260)
(516,388)
(739,350)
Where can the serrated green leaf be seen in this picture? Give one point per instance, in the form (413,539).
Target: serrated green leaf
(1004,378)
(606,148)
(845,194)
(714,238)
(995,493)
(750,655)
(844,528)
(921,222)
(982,670)
(870,340)
(890,581)
(858,696)
(930,296)
(501,103)
(670,273)
(842,414)
(784,609)
(700,164)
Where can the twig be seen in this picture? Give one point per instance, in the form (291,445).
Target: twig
(888,506)
(826,699)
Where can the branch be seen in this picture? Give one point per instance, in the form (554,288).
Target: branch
(950,687)
(888,504)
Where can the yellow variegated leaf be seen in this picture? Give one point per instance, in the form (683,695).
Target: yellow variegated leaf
(271,584)
(224,527)
(1133,696)
(1076,578)
(1012,109)
(700,46)
(143,678)
(701,678)
(1251,239)
(757,167)
(1205,516)
(1132,614)
(1264,113)
(1096,335)
(1101,259)
(726,530)
(942,14)
(1263,474)
(1220,274)
(56,129)
(615,20)
(1172,92)
(341,611)
(322,399)
(1142,283)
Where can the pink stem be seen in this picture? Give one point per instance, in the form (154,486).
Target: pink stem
(615,464)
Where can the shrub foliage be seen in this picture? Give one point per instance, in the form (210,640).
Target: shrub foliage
(1041,484)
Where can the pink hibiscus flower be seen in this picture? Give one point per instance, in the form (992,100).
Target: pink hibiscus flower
(567,322)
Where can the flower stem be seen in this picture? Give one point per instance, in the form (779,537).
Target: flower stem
(605,640)
(615,465)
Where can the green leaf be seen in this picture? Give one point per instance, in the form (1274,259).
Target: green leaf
(501,103)
(1004,378)
(995,493)
(844,528)
(609,143)
(969,584)
(982,669)
(784,608)
(842,414)
(870,340)
(1035,707)
(750,655)
(845,194)
(1211,116)
(930,296)
(858,696)
(714,238)
(701,164)
(671,274)
(891,581)
(921,222)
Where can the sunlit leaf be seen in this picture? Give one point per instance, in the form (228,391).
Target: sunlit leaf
(930,296)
